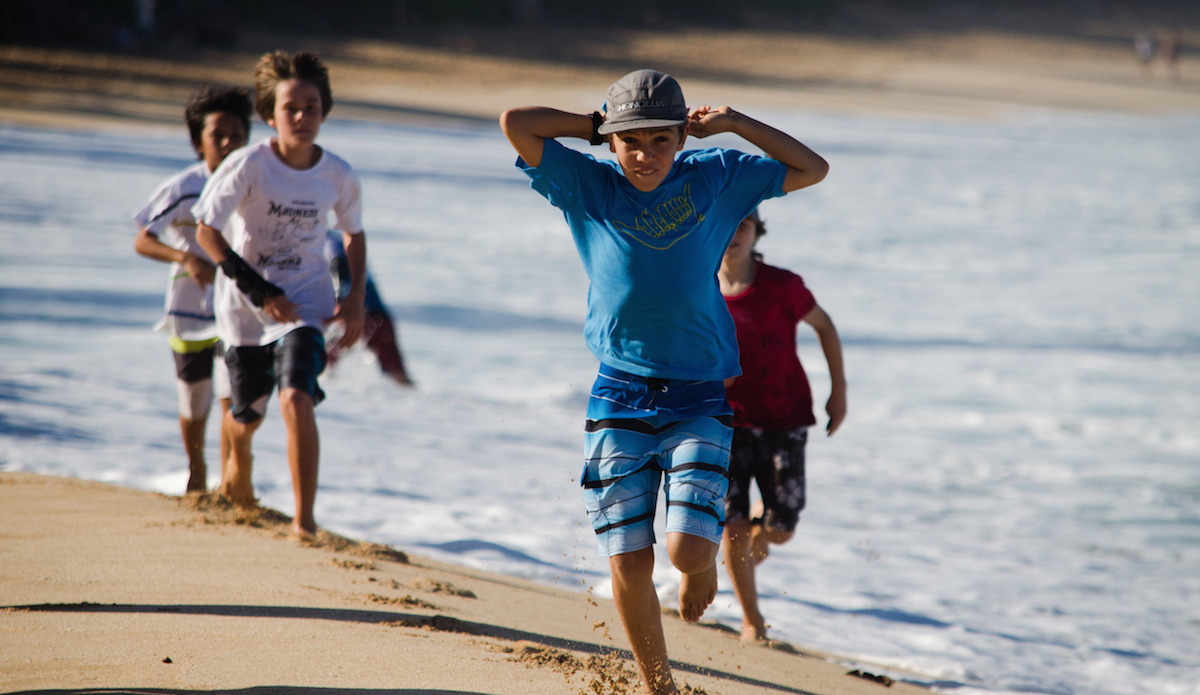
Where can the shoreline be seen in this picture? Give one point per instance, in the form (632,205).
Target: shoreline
(121,589)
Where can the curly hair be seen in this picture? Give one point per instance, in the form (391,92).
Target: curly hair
(760,228)
(279,67)
(234,101)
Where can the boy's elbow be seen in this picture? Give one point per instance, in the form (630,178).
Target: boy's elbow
(509,121)
(820,170)
(207,237)
(803,178)
(518,126)
(140,242)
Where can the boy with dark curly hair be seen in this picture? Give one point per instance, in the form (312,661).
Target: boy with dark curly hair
(218,121)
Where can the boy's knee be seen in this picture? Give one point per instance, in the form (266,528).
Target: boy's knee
(240,429)
(778,536)
(737,530)
(691,554)
(294,397)
(295,402)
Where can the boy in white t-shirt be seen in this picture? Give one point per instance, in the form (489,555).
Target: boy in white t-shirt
(218,121)
(263,218)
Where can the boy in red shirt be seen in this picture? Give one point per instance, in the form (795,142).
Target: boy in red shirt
(772,408)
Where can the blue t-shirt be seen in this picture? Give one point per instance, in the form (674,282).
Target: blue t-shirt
(654,306)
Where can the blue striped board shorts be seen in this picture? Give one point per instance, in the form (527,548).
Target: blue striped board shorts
(639,429)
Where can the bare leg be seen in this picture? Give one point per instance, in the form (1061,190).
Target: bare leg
(760,544)
(304,451)
(193,444)
(746,547)
(380,336)
(236,481)
(226,437)
(761,537)
(696,558)
(739,563)
(637,604)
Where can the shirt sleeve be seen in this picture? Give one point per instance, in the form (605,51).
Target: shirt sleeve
(563,172)
(800,298)
(163,209)
(750,179)
(225,190)
(348,208)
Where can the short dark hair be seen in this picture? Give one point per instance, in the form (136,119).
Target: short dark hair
(680,130)
(231,100)
(279,67)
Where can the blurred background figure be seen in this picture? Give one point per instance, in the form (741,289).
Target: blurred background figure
(379,332)
(1168,49)
(1144,48)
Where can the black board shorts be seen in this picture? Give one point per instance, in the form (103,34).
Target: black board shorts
(294,361)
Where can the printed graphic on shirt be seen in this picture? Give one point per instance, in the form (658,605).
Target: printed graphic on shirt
(659,228)
(293,226)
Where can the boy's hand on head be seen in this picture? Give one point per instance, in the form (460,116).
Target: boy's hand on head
(705,120)
(350,314)
(281,309)
(201,270)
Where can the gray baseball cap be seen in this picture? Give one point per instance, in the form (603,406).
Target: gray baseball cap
(644,99)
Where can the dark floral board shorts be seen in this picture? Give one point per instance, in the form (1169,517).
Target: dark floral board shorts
(775,460)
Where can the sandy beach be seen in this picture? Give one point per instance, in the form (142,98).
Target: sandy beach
(110,589)
(124,591)
(475,76)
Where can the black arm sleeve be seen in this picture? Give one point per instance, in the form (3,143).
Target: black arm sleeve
(248,280)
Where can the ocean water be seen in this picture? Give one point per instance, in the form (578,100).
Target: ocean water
(1013,505)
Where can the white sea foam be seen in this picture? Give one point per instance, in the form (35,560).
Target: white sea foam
(1011,507)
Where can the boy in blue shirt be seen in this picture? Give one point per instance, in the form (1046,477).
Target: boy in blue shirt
(651,231)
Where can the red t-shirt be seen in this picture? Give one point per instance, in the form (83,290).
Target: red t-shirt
(772,393)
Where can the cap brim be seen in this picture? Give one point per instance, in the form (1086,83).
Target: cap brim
(643,124)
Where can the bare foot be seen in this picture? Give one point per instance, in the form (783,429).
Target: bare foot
(303,533)
(696,592)
(760,546)
(241,498)
(754,633)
